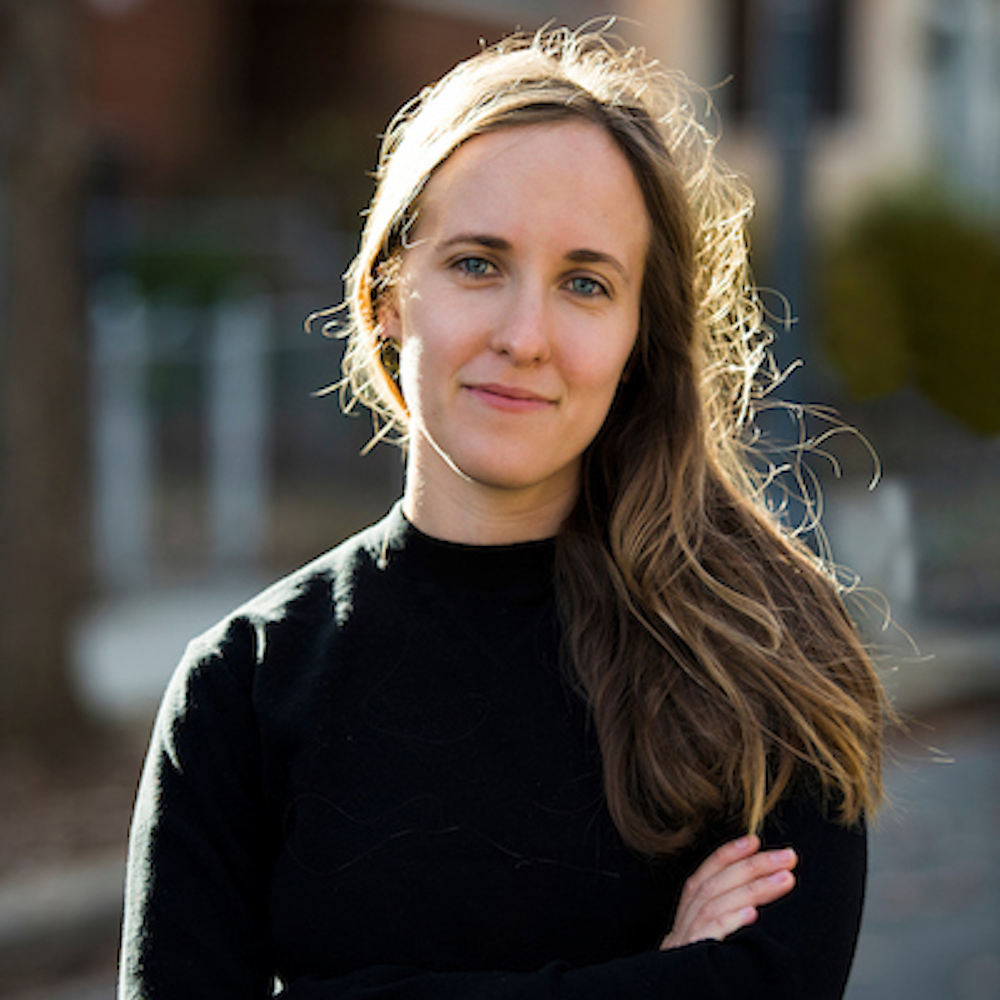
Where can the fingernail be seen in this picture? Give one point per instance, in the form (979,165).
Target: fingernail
(779,877)
(743,842)
(785,854)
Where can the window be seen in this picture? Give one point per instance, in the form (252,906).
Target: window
(751,32)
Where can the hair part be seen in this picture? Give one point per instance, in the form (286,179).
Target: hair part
(713,648)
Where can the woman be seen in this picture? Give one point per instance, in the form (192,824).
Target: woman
(563,723)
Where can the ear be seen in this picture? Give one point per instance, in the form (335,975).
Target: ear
(385,299)
(387,323)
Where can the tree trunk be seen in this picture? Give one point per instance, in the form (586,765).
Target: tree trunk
(43,541)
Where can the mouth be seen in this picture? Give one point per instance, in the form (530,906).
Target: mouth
(511,398)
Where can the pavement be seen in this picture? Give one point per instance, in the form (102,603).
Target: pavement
(932,921)
(931,929)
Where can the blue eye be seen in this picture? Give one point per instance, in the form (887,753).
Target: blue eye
(586,286)
(477,267)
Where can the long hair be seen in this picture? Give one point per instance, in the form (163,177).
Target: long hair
(713,648)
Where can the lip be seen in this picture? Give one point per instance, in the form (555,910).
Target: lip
(508,397)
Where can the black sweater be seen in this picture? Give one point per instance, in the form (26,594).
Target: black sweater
(374,781)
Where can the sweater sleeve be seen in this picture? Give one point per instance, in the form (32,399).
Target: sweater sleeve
(195,897)
(801,947)
(200,855)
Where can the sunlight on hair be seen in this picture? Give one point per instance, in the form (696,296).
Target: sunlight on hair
(710,640)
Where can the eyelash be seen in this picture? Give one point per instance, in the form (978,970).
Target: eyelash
(597,288)
(488,269)
(462,264)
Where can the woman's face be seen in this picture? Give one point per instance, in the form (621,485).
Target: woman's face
(516,309)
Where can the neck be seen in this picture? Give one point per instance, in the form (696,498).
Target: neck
(457,509)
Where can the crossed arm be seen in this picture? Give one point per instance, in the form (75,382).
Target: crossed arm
(196,912)
(727,890)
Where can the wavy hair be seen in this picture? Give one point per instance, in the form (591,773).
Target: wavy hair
(713,647)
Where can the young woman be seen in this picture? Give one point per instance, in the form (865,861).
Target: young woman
(565,721)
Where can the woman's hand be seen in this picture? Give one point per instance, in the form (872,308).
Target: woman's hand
(727,888)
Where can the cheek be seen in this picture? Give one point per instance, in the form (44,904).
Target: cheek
(597,368)
(410,362)
(429,363)
(439,339)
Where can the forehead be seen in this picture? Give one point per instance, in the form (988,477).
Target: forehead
(568,175)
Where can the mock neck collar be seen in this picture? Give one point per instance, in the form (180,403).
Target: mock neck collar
(520,568)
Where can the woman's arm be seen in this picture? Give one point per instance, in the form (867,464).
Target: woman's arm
(196,907)
(800,948)
(727,889)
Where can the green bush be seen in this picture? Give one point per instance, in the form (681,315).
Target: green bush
(910,294)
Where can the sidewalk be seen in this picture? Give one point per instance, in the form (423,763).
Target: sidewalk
(931,929)
(932,926)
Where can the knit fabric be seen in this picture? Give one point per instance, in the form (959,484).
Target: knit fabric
(375,780)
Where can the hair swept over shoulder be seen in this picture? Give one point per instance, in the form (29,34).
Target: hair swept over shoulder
(713,647)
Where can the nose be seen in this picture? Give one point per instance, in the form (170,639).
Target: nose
(523,334)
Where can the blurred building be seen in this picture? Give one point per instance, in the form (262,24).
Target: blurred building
(187,91)
(900,88)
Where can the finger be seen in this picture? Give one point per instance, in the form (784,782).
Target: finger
(694,892)
(725,924)
(753,881)
(720,859)
(724,912)
(754,894)
(716,930)
(744,871)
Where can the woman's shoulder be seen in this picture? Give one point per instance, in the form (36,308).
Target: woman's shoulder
(314,597)
(329,579)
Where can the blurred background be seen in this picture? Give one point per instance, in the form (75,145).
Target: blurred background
(181,183)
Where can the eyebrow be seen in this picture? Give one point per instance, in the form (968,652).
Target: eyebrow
(480,239)
(596,257)
(580,256)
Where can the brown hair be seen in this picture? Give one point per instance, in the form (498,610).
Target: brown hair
(713,648)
